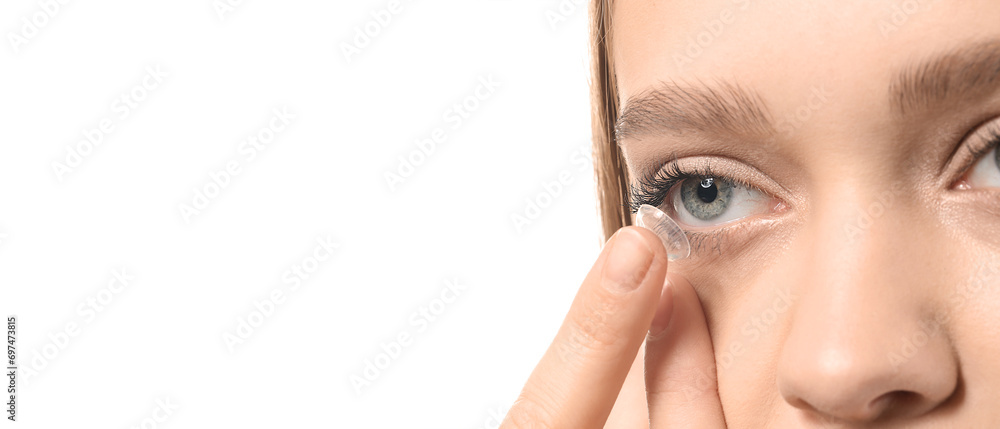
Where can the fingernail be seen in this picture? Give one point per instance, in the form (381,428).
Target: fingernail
(628,262)
(664,310)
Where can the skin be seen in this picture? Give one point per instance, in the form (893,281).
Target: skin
(866,296)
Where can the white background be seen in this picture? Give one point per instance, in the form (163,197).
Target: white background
(162,338)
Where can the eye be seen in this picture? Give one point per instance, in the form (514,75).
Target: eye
(703,193)
(985,173)
(714,201)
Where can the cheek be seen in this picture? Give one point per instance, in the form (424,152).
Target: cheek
(747,307)
(973,325)
(747,334)
(973,221)
(747,389)
(973,300)
(734,276)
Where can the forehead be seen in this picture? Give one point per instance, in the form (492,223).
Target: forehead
(788,47)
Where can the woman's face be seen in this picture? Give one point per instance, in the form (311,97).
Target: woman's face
(846,245)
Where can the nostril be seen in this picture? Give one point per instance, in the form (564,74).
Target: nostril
(890,405)
(892,402)
(898,398)
(900,404)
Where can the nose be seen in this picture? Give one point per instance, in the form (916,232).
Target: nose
(858,378)
(866,341)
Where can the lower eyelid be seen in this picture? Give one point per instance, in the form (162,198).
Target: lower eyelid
(698,240)
(728,237)
(733,235)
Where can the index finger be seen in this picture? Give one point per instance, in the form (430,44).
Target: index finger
(577,381)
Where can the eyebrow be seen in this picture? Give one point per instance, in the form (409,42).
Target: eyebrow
(966,72)
(672,108)
(675,109)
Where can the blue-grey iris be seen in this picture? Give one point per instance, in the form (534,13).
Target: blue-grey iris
(707,198)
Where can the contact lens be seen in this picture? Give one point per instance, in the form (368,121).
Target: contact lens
(672,236)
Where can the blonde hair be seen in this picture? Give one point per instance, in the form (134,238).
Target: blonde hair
(609,164)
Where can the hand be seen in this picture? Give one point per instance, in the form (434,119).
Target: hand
(623,299)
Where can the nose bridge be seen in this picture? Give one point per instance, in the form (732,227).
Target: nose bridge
(854,297)
(866,285)
(859,239)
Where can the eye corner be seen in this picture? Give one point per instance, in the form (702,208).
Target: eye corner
(981,169)
(962,184)
(779,206)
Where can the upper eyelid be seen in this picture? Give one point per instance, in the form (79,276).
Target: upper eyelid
(988,142)
(976,143)
(732,169)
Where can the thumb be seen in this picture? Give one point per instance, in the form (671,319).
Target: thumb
(681,385)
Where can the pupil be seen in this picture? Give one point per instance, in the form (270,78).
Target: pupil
(708,191)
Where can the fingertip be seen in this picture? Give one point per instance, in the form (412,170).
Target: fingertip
(653,241)
(628,262)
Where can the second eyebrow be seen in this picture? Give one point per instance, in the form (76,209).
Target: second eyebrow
(968,71)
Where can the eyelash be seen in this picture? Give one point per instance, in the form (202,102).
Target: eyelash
(654,187)
(980,147)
